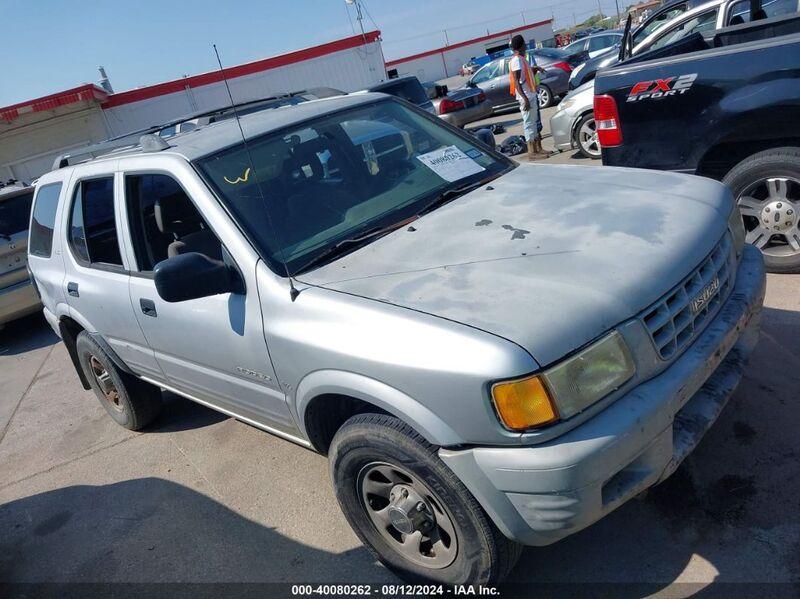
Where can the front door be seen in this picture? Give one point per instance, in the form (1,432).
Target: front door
(212,349)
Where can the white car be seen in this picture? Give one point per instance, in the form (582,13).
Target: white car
(595,44)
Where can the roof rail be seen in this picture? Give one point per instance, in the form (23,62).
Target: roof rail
(147,143)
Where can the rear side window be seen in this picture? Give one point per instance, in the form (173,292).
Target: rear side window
(92,228)
(410,90)
(15,213)
(40,242)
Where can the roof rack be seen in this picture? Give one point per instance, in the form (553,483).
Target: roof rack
(147,143)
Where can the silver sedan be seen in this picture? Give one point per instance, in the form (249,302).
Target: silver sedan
(573,125)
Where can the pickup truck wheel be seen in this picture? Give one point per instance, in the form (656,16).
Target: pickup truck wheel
(410,510)
(132,403)
(545,96)
(586,137)
(767,189)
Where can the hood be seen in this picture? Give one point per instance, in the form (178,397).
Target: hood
(548,257)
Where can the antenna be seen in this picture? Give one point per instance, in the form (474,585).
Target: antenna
(293,292)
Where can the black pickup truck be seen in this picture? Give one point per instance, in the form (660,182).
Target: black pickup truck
(726,105)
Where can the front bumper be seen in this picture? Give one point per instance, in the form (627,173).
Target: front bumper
(468,115)
(18,300)
(539,494)
(561,125)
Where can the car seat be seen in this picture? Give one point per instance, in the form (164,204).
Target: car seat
(176,215)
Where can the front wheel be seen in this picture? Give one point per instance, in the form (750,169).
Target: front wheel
(585,137)
(766,186)
(410,510)
(545,96)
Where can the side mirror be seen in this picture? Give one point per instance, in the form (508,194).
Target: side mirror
(192,276)
(470,83)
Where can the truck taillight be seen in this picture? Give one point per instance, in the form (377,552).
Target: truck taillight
(606,119)
(448,105)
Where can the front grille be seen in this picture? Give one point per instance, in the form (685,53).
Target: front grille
(677,318)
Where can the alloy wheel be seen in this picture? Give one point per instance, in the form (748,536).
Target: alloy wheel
(408,515)
(587,138)
(769,208)
(543,96)
(106,384)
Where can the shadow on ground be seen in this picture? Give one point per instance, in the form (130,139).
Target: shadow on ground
(26,334)
(153,530)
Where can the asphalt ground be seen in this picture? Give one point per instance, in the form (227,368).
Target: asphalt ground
(200,497)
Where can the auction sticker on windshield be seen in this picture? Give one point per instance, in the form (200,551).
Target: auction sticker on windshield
(450,163)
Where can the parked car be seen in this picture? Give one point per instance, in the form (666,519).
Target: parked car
(573,125)
(369,297)
(459,107)
(409,88)
(17,295)
(676,20)
(493,78)
(690,107)
(595,44)
(468,68)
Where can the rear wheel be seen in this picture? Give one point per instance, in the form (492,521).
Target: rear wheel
(545,96)
(767,189)
(410,510)
(132,403)
(585,137)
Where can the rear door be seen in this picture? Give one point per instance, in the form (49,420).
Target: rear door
(96,268)
(15,212)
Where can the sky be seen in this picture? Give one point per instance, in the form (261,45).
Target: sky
(49,46)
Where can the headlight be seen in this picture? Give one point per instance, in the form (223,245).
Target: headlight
(567,388)
(565,104)
(736,226)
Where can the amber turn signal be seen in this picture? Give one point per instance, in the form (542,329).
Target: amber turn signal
(524,403)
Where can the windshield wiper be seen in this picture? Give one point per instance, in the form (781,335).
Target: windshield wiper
(351,243)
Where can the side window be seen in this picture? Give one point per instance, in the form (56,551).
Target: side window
(164,222)
(697,24)
(40,242)
(92,229)
(657,22)
(490,71)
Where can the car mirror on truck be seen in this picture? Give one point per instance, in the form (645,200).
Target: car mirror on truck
(192,276)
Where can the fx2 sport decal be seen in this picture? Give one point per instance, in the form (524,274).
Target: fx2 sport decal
(661,88)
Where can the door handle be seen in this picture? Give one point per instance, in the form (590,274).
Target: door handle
(72,289)
(148,307)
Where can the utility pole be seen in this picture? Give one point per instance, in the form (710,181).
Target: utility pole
(599,9)
(446,39)
(574,20)
(523,18)
(619,18)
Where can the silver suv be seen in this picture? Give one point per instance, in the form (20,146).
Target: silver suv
(17,295)
(490,354)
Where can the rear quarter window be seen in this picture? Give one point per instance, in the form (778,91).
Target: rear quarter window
(40,242)
(15,213)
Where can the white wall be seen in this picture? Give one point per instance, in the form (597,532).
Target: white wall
(348,70)
(27,151)
(433,66)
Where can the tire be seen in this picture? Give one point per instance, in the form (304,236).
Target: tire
(369,445)
(132,403)
(588,147)
(544,96)
(766,187)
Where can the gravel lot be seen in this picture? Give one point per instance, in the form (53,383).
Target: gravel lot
(200,497)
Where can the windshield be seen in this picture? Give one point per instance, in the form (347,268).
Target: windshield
(15,213)
(341,175)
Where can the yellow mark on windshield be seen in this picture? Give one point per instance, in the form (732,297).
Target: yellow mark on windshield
(242,179)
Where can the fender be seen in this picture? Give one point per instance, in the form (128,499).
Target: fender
(395,402)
